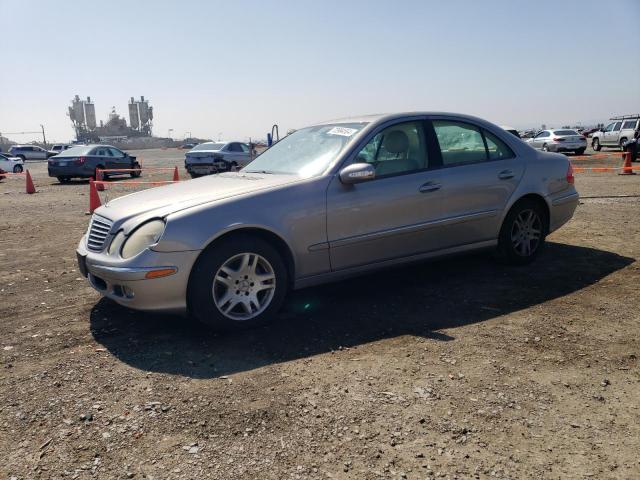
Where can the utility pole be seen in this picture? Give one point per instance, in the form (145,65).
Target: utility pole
(169,132)
(44,139)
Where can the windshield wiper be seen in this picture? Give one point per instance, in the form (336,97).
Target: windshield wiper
(266,172)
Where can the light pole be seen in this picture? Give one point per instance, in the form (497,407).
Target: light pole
(44,139)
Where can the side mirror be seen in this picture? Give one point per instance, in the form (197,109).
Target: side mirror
(357,173)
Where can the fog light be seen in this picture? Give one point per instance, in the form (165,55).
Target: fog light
(128,292)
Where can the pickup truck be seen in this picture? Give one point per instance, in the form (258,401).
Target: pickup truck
(616,133)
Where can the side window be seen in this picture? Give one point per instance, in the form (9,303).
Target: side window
(396,150)
(498,150)
(116,153)
(244,148)
(609,127)
(460,143)
(617,126)
(629,124)
(235,147)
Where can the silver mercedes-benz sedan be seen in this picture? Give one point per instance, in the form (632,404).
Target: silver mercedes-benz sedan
(328,201)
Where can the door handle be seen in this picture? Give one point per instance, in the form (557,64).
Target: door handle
(429,187)
(505,175)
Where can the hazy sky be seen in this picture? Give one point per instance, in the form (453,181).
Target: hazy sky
(237,67)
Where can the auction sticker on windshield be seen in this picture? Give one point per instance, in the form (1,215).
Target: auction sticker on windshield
(344,131)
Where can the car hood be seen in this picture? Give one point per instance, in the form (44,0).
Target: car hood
(162,201)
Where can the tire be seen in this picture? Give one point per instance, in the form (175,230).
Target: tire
(212,296)
(580,151)
(545,148)
(595,144)
(21,157)
(622,142)
(63,179)
(17,169)
(514,251)
(136,173)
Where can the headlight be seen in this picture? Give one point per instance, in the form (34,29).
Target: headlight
(142,237)
(116,243)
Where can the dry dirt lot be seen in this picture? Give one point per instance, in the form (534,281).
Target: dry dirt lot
(454,369)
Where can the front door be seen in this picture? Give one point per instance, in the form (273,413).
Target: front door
(479,174)
(393,215)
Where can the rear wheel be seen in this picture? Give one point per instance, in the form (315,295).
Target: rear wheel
(63,179)
(596,145)
(580,151)
(523,233)
(622,142)
(17,169)
(239,283)
(21,157)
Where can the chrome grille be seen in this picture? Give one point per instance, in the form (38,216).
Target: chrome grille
(98,231)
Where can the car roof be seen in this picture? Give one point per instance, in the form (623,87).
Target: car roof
(383,117)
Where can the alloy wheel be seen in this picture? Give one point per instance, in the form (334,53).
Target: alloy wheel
(17,169)
(526,233)
(244,286)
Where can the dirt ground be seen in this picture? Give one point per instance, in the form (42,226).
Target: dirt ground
(460,368)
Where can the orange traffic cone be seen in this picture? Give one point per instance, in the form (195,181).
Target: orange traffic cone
(30,187)
(94,198)
(176,176)
(627,168)
(99,184)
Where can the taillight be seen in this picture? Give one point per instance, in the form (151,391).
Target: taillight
(80,161)
(570,178)
(557,139)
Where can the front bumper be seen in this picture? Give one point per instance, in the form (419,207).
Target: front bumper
(125,282)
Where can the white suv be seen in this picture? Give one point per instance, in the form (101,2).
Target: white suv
(616,133)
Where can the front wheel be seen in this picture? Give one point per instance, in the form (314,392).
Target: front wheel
(596,145)
(580,151)
(63,179)
(137,170)
(545,148)
(240,282)
(523,233)
(17,169)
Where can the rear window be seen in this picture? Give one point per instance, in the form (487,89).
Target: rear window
(209,146)
(565,132)
(76,151)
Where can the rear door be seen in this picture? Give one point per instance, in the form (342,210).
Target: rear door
(480,172)
(235,154)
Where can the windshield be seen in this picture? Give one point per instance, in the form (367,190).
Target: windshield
(209,146)
(306,152)
(565,132)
